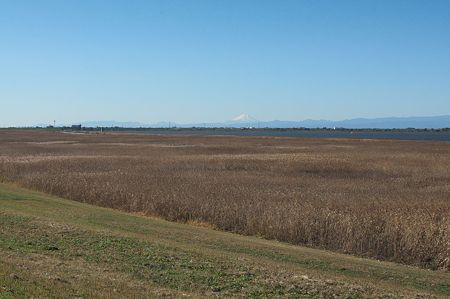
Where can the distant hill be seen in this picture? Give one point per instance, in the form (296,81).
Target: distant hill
(431,122)
(113,123)
(245,120)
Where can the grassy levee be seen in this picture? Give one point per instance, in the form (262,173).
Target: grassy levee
(52,247)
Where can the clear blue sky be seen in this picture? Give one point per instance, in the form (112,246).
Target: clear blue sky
(204,61)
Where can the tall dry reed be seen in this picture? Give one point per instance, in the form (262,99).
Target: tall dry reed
(382,199)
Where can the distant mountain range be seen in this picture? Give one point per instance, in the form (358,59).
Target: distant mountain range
(245,120)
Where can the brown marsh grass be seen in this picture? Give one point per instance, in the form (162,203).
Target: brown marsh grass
(382,199)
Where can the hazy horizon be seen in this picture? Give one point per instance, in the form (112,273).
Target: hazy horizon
(420,122)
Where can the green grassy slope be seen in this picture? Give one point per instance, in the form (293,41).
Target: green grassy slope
(51,247)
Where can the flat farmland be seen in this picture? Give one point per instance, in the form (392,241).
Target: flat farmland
(382,199)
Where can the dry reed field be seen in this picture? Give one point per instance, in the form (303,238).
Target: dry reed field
(388,200)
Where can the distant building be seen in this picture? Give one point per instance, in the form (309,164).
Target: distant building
(76,127)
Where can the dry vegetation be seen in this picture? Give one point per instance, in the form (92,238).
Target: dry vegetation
(383,199)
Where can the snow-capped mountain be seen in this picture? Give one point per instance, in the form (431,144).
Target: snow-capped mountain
(243,118)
